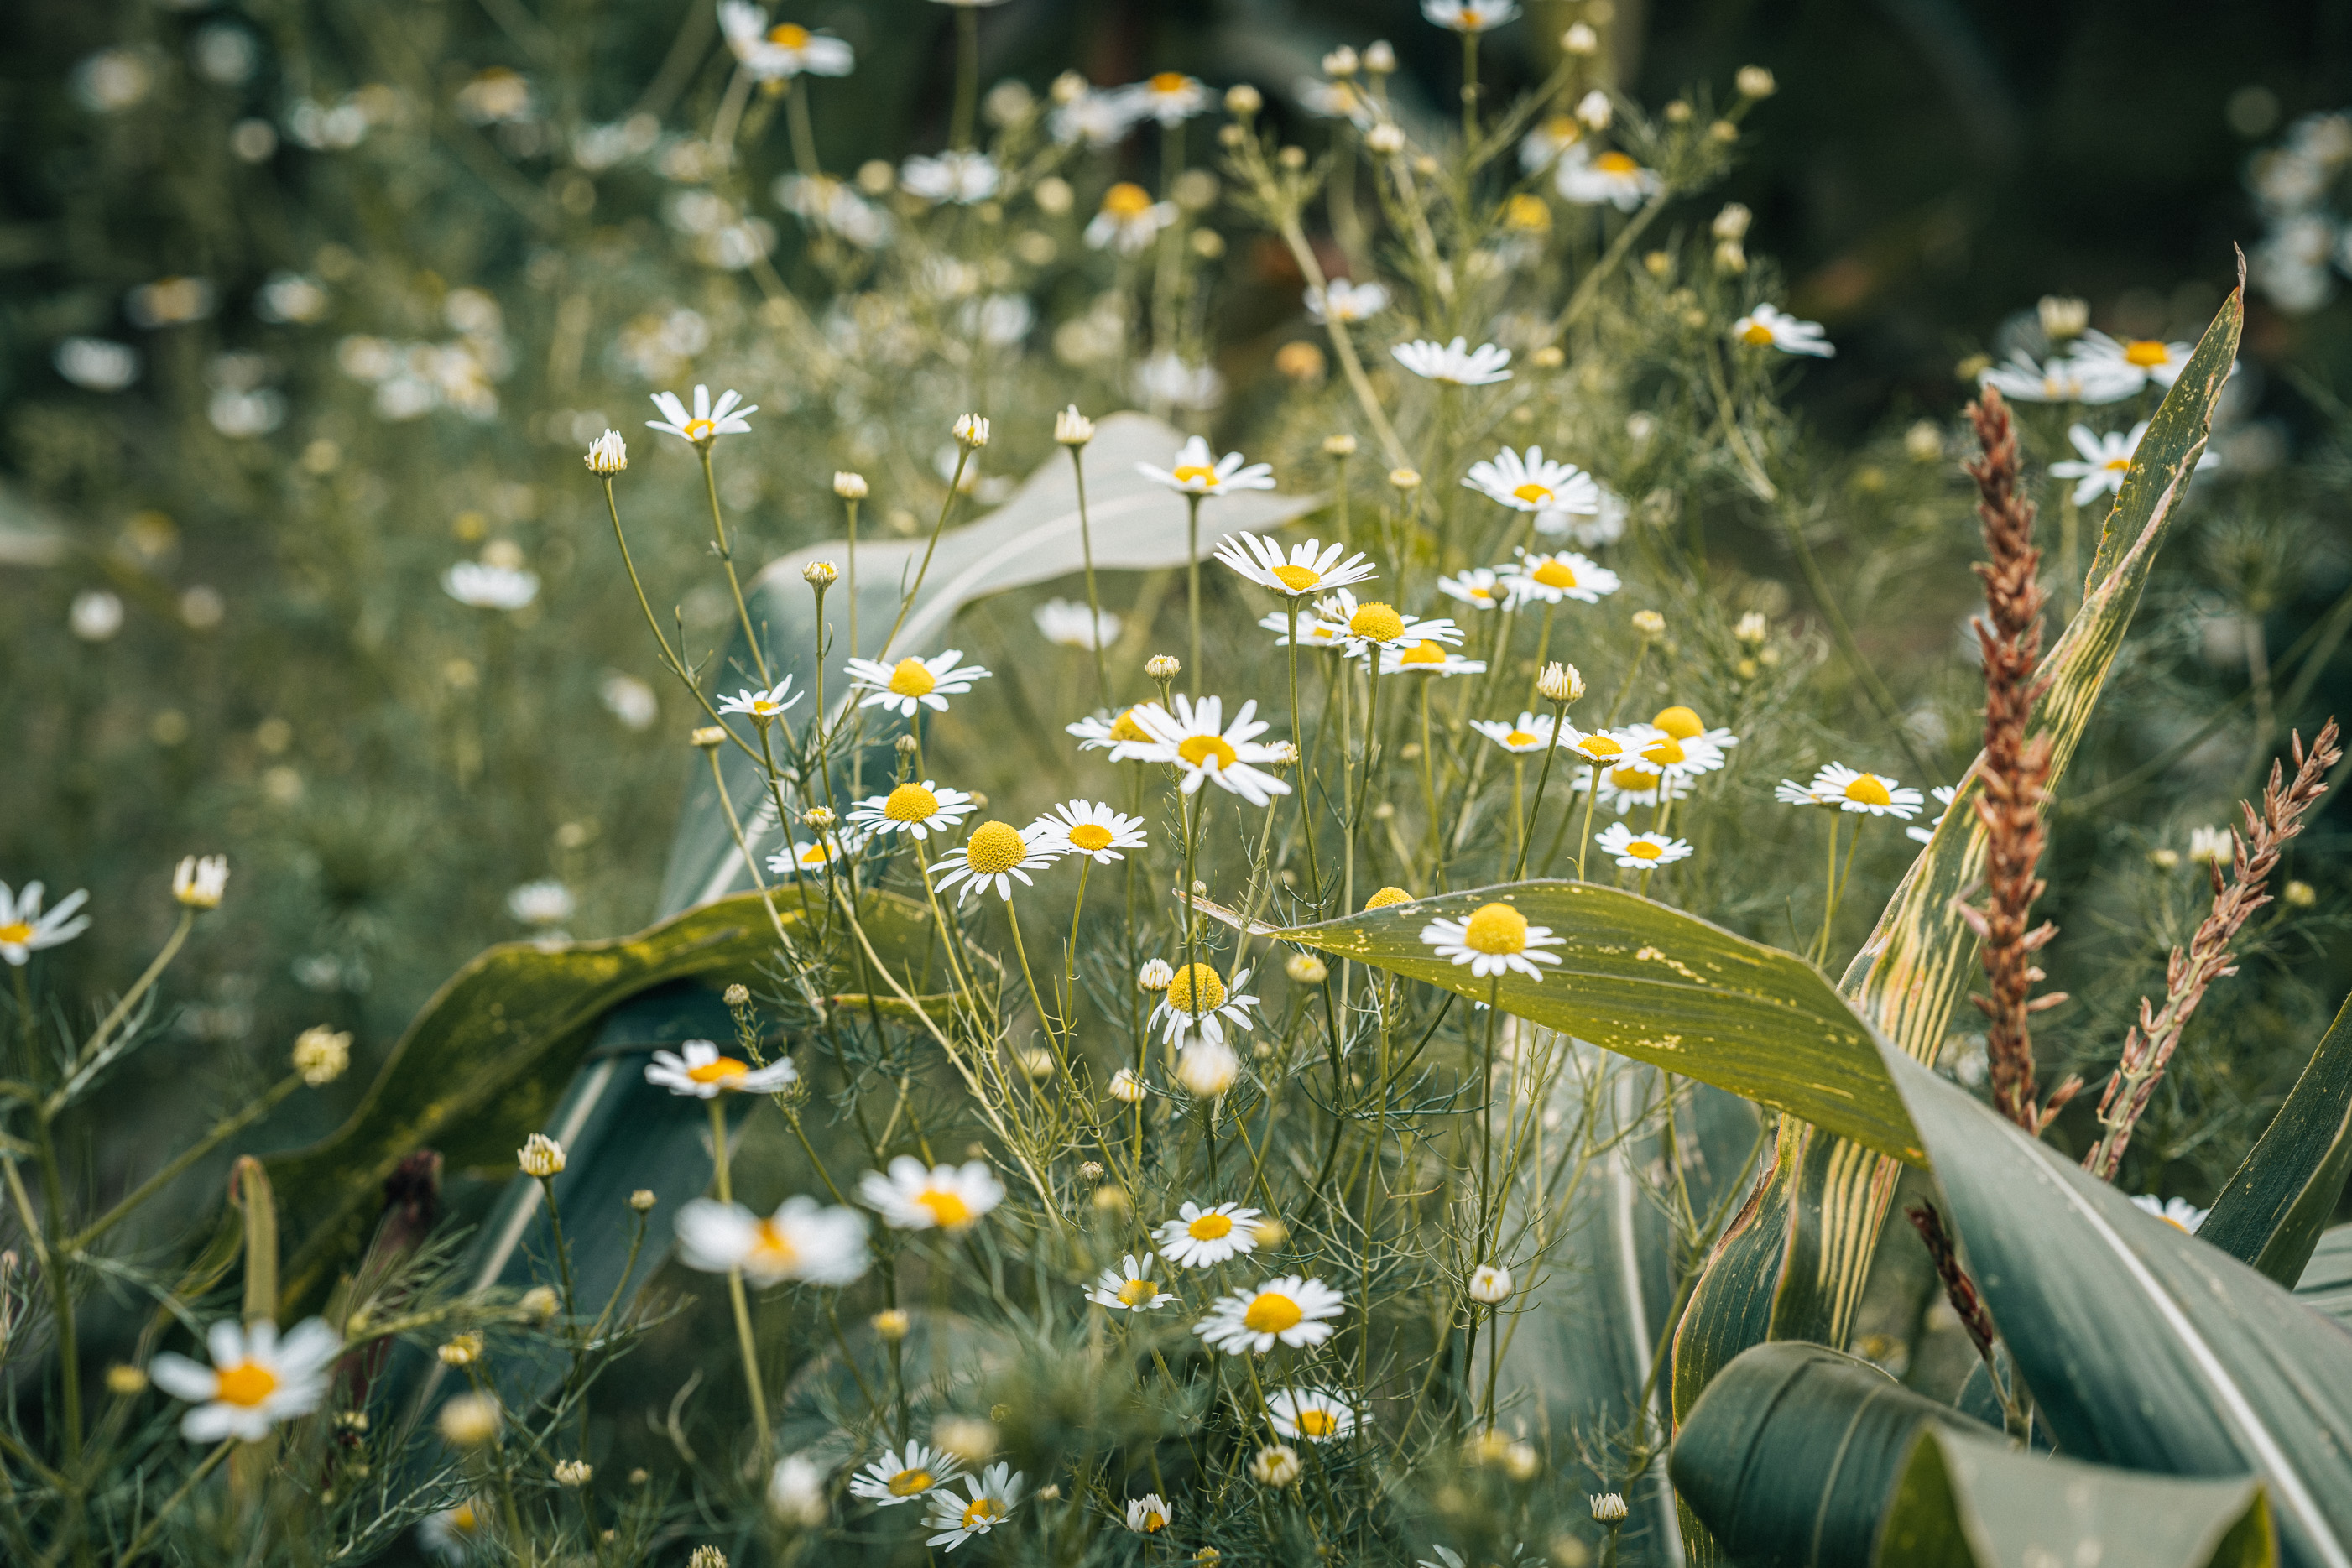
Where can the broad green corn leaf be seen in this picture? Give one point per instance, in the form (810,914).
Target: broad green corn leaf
(1135,525)
(2270,1211)
(2327,1283)
(1661,987)
(1910,975)
(2143,1346)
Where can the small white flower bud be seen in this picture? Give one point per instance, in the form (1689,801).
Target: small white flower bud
(1163,666)
(1286,754)
(707,1557)
(738,995)
(1339,445)
(797,1492)
(540,1155)
(1340,62)
(1243,99)
(464,1350)
(320,1054)
(538,1303)
(1385,139)
(1609,1507)
(1595,110)
(1490,1284)
(643,1199)
(1520,1461)
(1649,623)
(1753,629)
(709,734)
(573,1472)
(1126,1087)
(819,573)
(2164,860)
(818,817)
(1730,257)
(2300,894)
(1924,442)
(1755,81)
(1207,1067)
(1155,975)
(967,1437)
(608,455)
(1404,478)
(1037,1063)
(1068,88)
(891,1324)
(1276,1465)
(199,882)
(849,486)
(125,1381)
(1306,968)
(1072,428)
(1379,58)
(972,430)
(1580,40)
(1733,220)
(469,1420)
(2063,318)
(1560,682)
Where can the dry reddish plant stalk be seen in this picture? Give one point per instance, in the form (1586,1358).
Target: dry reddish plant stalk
(2014,771)
(1958,1288)
(2149,1045)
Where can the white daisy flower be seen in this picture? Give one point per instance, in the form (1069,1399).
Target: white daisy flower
(1640,851)
(762,708)
(706,423)
(1767,327)
(2138,361)
(2178,1211)
(957,177)
(1601,748)
(1789,793)
(1478,587)
(1203,1238)
(1494,939)
(995,1493)
(2106,461)
(1469,16)
(901,686)
(1534,732)
(1070,624)
(905,1475)
(698,1068)
(1362,627)
(1317,1414)
(1204,1015)
(1553,576)
(2063,380)
(546,902)
(1129,220)
(256,1380)
(997,853)
(1313,631)
(781,52)
(1096,118)
(801,1241)
(24,930)
(1171,380)
(1345,302)
(484,586)
(1335,100)
(1098,730)
(1683,723)
(1533,483)
(811,855)
(1311,567)
(1604,526)
(1553,137)
(1196,740)
(1148,1514)
(1613,179)
(1838,784)
(1679,758)
(1454,363)
(1427,656)
(1197,472)
(1171,98)
(1293,1310)
(1943,794)
(1094,829)
(1129,1288)
(455,1533)
(1635,784)
(944,1198)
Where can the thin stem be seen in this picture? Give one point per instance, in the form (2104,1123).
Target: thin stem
(727,559)
(1527,832)
(796,114)
(1094,602)
(955,480)
(967,87)
(1192,582)
(140,1541)
(744,1339)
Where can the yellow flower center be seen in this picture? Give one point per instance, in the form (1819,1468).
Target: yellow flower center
(1211,1227)
(772,1243)
(1154,1521)
(911,1483)
(1167,82)
(1644,850)
(764,707)
(995,847)
(719,1071)
(1616,163)
(1136,1293)
(1376,624)
(814,854)
(1318,1423)
(1471,15)
(1297,579)
(1195,978)
(463,1519)
(1126,200)
(1527,212)
(1202,750)
(2176,1225)
(1679,722)
(701,429)
(1531,491)
(1634,778)
(1869,790)
(1600,748)
(1758,334)
(790,35)
(1090,836)
(948,1211)
(1521,737)
(1272,1312)
(2146,352)
(2116,465)
(1424,653)
(1193,473)
(912,678)
(1562,131)
(247,1384)
(910,803)
(983,1511)
(1555,573)
(1664,750)
(16,933)
(1496,928)
(1124,728)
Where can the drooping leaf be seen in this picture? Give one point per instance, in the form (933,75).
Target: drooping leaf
(2272,1209)
(2143,1346)
(2327,1283)
(1665,987)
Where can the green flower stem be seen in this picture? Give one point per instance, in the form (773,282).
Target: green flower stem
(727,559)
(1192,583)
(796,114)
(1543,775)
(1094,602)
(145,1538)
(744,1338)
(967,87)
(963,456)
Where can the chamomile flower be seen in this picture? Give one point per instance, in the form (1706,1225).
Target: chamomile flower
(706,423)
(1478,587)
(1640,851)
(1469,16)
(943,1198)
(1336,101)
(1311,567)
(1094,829)
(1601,748)
(1553,576)
(1533,732)
(997,853)
(1197,1004)
(1313,631)
(1069,624)
(762,708)
(1129,220)
(1495,938)
(1148,1514)
(487,585)
(957,177)
(995,1493)
(1092,116)
(1676,756)
(1553,138)
(921,809)
(1316,1415)
(2178,1211)
(1604,526)
(1840,786)
(2106,461)
(810,856)
(1533,483)
(782,51)
(910,683)
(24,930)
(2136,360)
(1171,98)
(1427,656)
(1362,627)
(1612,179)
(455,1533)
(1683,723)
(1769,327)
(1129,1288)
(801,1241)
(1197,471)
(1943,794)
(1203,1238)
(698,1068)
(1195,740)
(256,1379)
(1345,302)
(1454,363)
(1293,1310)
(2063,380)
(906,1474)
(1098,730)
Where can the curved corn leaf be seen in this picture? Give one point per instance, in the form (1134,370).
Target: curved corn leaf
(2327,1283)
(1920,959)
(1661,987)
(2270,1211)
(2143,1346)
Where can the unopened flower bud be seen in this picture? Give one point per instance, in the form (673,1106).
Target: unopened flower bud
(708,735)
(200,881)
(1231,135)
(1306,968)
(1560,682)
(1379,58)
(907,746)
(125,1381)
(540,1155)
(1580,40)
(1755,81)
(819,573)
(2164,860)
(1286,754)
(1609,1507)
(1404,478)
(1387,896)
(1069,86)
(1111,1199)
(1550,357)
(796,1491)
(643,1199)
(1276,1465)
(1037,1063)
(573,1472)
(1072,428)
(707,1557)
(1155,975)
(2300,894)
(1091,1171)
(1649,623)
(1520,1461)
(849,486)
(1730,257)
(737,994)
(608,454)
(320,1054)
(1490,1284)
(1924,442)
(1732,222)
(890,1325)
(1292,158)
(469,1420)
(1269,1231)
(1126,1087)
(538,1303)
(1725,131)
(967,1437)
(1385,139)
(1595,110)
(1752,628)
(1340,62)
(2063,318)
(462,1350)
(1340,445)
(972,430)
(1163,667)
(1243,99)
(818,817)
(1207,1067)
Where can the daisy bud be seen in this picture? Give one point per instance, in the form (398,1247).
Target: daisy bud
(1155,975)
(1560,682)
(1207,1067)
(907,745)
(891,1324)
(1595,110)
(643,1199)
(1269,1231)
(1306,968)
(573,1472)
(1298,360)
(1292,158)
(1678,112)
(972,430)
(707,1557)
(1753,629)
(538,1303)
(1091,1171)
(320,1054)
(198,882)
(817,817)
(708,735)
(1520,1461)
(1387,896)
(1580,40)
(1404,478)
(1649,623)
(2063,318)
(1126,1087)
(1924,442)
(1550,357)
(1243,98)
(1072,428)
(1385,139)
(1340,62)
(1487,1447)
(1111,1199)
(796,1491)
(609,454)
(819,573)
(1379,58)
(541,1157)
(1276,1465)
(1286,755)
(1231,135)
(1609,1507)
(1733,220)
(1037,1062)
(1163,667)
(1753,81)
(849,486)
(1730,257)
(1068,88)
(463,1351)
(125,1381)
(967,1437)
(2300,894)
(1338,446)
(1722,130)
(737,994)
(2164,860)
(1490,1284)
(1657,263)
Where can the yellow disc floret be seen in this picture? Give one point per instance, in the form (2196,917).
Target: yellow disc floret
(983,1511)
(1425,652)
(2146,353)
(249,1382)
(1387,896)
(1645,849)
(1318,1423)
(1634,779)
(1124,728)
(1869,790)
(1555,573)
(1090,836)
(1297,579)
(1679,722)
(994,847)
(1272,1312)
(1758,334)
(1496,928)
(1208,750)
(1616,163)
(912,678)
(1211,1226)
(1126,200)
(718,1072)
(772,1244)
(789,34)
(1196,979)
(911,1483)
(1664,750)
(910,803)
(1137,1292)
(948,1209)
(1376,624)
